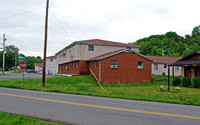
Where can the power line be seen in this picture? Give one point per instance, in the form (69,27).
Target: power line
(3,18)
(60,24)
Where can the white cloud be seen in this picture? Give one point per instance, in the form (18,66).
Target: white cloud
(117,20)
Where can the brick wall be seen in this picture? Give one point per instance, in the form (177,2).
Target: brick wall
(72,69)
(127,70)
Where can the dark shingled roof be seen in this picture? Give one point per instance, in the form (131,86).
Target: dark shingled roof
(188,60)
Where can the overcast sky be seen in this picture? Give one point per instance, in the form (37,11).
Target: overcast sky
(116,20)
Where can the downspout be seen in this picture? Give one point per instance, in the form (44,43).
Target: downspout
(99,70)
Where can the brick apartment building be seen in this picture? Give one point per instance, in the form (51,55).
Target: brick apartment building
(75,59)
(121,66)
(72,59)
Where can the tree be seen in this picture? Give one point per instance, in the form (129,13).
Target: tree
(187,51)
(178,45)
(31,60)
(196,31)
(156,52)
(9,57)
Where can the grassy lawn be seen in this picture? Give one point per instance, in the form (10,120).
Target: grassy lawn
(16,71)
(10,119)
(3,74)
(87,85)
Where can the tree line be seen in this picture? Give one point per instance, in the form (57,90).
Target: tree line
(177,45)
(10,52)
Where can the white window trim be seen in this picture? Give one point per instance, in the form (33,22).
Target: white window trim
(140,66)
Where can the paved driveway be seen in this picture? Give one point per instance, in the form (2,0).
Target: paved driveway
(26,75)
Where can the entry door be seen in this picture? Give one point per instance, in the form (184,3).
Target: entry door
(188,72)
(197,72)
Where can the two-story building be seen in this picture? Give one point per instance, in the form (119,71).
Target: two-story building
(72,58)
(51,65)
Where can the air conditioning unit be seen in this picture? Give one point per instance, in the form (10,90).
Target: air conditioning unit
(113,66)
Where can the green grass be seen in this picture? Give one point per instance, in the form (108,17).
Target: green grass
(10,119)
(86,85)
(16,71)
(3,74)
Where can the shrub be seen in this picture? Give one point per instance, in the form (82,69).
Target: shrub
(186,81)
(196,82)
(176,81)
(163,74)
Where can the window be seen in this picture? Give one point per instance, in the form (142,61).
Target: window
(176,68)
(95,64)
(90,47)
(76,64)
(165,65)
(140,65)
(69,50)
(66,66)
(51,60)
(156,67)
(113,64)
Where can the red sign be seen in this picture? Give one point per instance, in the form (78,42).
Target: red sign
(22,65)
(71,57)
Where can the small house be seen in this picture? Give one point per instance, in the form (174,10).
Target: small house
(160,65)
(121,66)
(190,64)
(38,67)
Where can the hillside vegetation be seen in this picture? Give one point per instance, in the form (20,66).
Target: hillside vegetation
(176,44)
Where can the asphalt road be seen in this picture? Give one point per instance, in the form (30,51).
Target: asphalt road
(26,76)
(87,110)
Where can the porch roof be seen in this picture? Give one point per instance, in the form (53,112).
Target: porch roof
(192,62)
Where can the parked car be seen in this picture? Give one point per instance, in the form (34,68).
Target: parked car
(30,71)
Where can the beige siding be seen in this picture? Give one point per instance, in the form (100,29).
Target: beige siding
(51,67)
(98,50)
(68,55)
(38,69)
(80,52)
(161,69)
(182,71)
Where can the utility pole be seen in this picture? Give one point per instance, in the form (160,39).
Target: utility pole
(168,74)
(45,45)
(15,59)
(4,40)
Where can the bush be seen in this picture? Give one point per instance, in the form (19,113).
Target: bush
(163,74)
(196,82)
(186,81)
(176,81)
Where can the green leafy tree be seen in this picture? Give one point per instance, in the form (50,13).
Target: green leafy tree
(31,60)
(178,45)
(10,52)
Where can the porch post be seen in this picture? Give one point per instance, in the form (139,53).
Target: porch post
(168,78)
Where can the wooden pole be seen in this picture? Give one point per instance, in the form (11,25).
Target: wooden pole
(4,40)
(15,59)
(45,45)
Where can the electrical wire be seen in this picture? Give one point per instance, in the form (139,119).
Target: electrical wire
(28,11)
(60,24)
